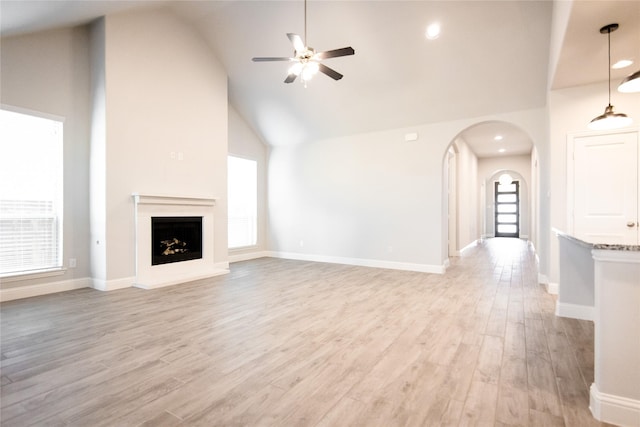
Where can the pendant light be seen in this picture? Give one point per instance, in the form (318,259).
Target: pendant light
(631,84)
(609,119)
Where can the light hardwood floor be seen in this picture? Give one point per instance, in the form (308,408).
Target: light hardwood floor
(291,343)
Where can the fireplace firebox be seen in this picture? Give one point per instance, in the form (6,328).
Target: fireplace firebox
(175,239)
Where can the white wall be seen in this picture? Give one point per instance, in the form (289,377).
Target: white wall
(166,126)
(468,195)
(570,110)
(48,72)
(243,142)
(98,153)
(373,196)
(534,199)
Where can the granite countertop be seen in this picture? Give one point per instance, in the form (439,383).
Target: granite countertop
(601,246)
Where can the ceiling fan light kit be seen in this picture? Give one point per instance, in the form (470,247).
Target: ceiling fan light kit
(609,119)
(306,61)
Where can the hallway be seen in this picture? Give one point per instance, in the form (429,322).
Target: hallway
(281,342)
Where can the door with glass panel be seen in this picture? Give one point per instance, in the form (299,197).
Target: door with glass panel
(507,215)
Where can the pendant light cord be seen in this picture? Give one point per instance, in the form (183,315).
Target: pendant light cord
(305,24)
(609,56)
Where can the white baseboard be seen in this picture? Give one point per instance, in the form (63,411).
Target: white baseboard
(551,287)
(469,246)
(112,285)
(613,409)
(248,256)
(43,289)
(221,267)
(392,265)
(574,311)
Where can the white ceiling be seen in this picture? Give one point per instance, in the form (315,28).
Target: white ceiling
(492,57)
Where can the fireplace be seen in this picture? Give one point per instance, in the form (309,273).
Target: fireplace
(175,239)
(166,209)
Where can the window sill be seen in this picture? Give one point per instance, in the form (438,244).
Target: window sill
(242,248)
(16,277)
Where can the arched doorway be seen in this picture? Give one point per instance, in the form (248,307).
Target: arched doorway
(472,164)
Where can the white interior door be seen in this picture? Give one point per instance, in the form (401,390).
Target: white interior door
(605,186)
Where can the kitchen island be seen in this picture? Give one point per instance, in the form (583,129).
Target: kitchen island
(602,282)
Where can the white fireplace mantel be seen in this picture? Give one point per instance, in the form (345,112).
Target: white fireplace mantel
(148,199)
(153,276)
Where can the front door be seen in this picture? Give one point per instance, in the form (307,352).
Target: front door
(507,209)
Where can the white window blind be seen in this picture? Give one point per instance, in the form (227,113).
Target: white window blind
(243,202)
(30,193)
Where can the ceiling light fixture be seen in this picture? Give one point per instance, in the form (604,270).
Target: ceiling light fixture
(433,31)
(609,119)
(502,150)
(630,84)
(623,63)
(498,138)
(306,61)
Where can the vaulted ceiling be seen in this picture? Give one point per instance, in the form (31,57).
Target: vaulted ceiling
(491,57)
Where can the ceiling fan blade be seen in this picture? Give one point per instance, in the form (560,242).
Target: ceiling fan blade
(298,44)
(291,78)
(329,72)
(345,51)
(265,59)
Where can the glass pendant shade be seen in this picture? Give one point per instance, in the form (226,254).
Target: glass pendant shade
(309,70)
(295,68)
(631,84)
(610,120)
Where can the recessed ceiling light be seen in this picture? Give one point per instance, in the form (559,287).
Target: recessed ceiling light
(498,137)
(433,31)
(502,150)
(623,63)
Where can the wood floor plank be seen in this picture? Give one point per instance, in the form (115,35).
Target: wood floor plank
(284,342)
(480,405)
(543,392)
(512,406)
(489,360)
(347,412)
(164,419)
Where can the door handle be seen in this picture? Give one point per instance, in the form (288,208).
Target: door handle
(631,224)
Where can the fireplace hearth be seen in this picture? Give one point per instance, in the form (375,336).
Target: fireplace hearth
(175,239)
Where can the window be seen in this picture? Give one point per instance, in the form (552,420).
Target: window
(243,202)
(30,194)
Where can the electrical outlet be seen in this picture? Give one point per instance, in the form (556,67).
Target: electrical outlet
(73,263)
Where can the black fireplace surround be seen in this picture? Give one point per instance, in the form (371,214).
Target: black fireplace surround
(175,239)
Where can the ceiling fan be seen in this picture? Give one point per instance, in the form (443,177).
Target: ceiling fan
(306,62)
